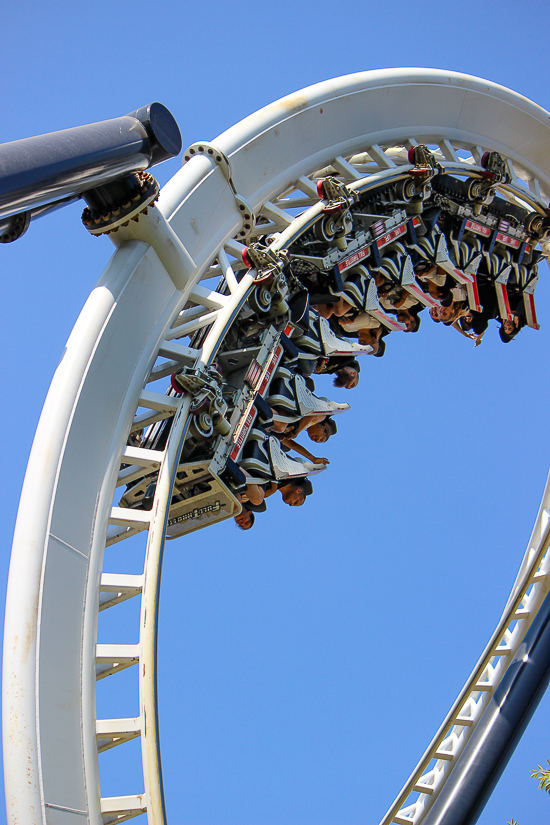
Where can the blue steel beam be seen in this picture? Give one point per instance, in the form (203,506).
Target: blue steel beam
(493,742)
(62,165)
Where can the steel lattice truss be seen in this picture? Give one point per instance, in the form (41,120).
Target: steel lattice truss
(168,300)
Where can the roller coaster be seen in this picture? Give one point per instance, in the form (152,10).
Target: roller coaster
(293,245)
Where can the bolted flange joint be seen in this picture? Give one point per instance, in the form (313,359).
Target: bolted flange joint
(117,203)
(14,227)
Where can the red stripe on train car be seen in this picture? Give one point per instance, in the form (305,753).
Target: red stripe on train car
(508,240)
(391,236)
(478,228)
(362,253)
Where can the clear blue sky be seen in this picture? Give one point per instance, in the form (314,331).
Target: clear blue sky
(304,667)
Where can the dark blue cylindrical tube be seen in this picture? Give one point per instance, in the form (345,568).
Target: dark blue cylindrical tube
(46,168)
(487,752)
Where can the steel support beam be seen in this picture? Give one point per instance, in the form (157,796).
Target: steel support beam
(60,165)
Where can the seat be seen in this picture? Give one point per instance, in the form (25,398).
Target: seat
(411,285)
(468,256)
(502,294)
(309,342)
(331,344)
(256,459)
(298,305)
(499,267)
(372,307)
(433,248)
(309,404)
(528,289)
(281,392)
(285,467)
(356,286)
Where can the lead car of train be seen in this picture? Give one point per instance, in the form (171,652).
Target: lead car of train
(368,260)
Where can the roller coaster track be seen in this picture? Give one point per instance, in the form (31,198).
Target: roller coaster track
(167,300)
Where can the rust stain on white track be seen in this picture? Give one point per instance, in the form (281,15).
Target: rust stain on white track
(30,635)
(290,105)
(19,741)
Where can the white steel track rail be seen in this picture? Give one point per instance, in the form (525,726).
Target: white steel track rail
(528,593)
(156,291)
